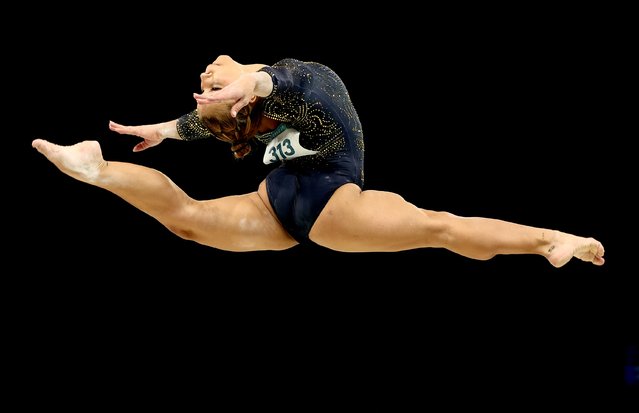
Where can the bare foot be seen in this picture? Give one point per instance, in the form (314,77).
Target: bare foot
(82,161)
(565,246)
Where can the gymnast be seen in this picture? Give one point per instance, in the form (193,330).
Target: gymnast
(301,115)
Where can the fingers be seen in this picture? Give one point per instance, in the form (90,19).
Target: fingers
(205,99)
(145,144)
(140,146)
(39,144)
(128,130)
(116,127)
(212,97)
(201,99)
(125,130)
(236,108)
(140,131)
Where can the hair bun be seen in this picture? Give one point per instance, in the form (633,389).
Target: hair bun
(241,149)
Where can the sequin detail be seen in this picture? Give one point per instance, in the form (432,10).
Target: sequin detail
(267,137)
(190,127)
(311,98)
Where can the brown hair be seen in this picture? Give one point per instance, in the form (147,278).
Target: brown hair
(239,130)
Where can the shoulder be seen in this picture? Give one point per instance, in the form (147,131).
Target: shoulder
(297,65)
(289,61)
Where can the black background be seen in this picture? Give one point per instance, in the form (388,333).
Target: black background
(493,117)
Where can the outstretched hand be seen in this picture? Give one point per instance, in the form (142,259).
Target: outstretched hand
(150,134)
(240,92)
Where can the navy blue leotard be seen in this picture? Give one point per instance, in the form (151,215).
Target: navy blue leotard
(311,99)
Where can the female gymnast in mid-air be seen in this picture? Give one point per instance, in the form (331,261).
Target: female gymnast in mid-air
(302,115)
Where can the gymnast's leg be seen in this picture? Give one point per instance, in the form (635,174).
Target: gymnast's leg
(234,223)
(356,220)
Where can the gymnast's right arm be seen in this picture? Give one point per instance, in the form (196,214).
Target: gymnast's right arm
(187,128)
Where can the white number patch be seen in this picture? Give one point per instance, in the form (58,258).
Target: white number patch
(286,145)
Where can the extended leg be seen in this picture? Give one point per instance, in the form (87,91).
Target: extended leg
(356,220)
(236,223)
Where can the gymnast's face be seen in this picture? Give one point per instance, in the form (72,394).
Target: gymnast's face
(220,73)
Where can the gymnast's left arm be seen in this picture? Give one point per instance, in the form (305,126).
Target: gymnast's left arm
(152,134)
(188,127)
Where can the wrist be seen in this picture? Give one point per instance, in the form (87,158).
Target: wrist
(263,84)
(168,130)
(189,127)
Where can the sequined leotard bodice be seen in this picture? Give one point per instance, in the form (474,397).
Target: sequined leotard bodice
(310,98)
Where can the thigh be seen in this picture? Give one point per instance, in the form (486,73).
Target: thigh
(356,220)
(238,223)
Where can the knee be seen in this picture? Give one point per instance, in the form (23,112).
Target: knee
(444,229)
(180,222)
(437,228)
(182,232)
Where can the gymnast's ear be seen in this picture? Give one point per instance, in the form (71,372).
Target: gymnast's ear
(253,99)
